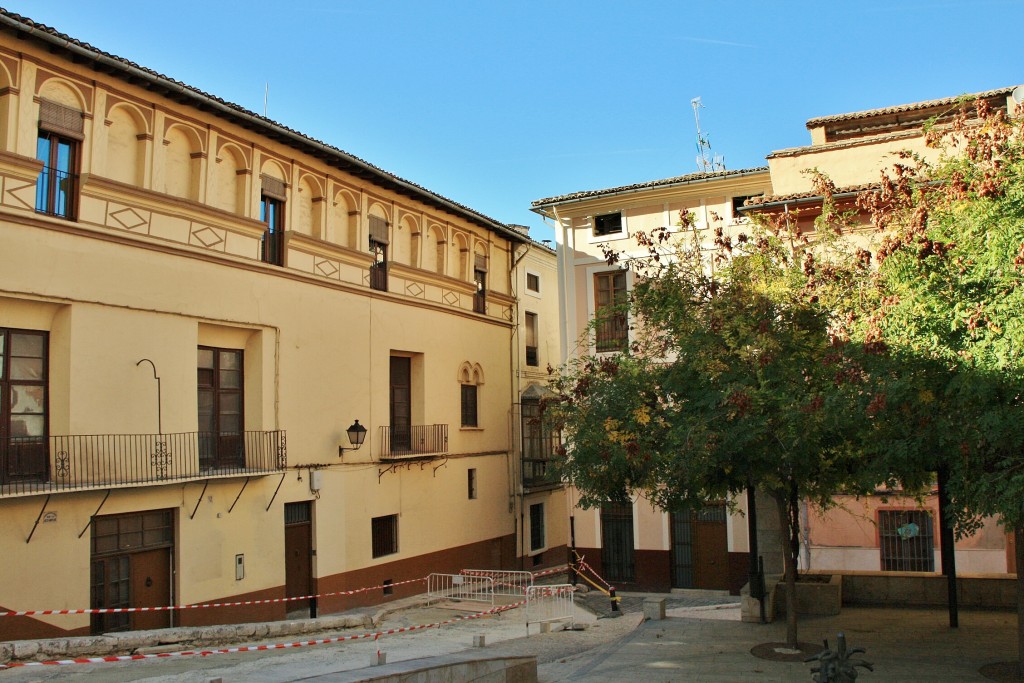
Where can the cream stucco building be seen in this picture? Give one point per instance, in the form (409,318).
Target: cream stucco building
(637,546)
(196,304)
(852,149)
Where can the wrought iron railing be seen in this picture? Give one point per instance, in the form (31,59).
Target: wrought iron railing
(66,463)
(413,441)
(612,333)
(539,472)
(379,276)
(56,192)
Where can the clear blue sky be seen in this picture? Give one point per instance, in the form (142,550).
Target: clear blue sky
(494,104)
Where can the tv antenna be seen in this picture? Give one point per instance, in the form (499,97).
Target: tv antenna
(706,161)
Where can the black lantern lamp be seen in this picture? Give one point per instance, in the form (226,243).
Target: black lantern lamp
(356,436)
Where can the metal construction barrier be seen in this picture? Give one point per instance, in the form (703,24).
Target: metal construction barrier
(505,582)
(460,587)
(550,604)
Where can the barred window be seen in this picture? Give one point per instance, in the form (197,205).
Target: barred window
(537,526)
(469,402)
(385,535)
(906,540)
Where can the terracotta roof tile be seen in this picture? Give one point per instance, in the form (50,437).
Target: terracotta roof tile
(899,109)
(665,182)
(798,196)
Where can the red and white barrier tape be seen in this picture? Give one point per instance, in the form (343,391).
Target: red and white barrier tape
(561,569)
(584,566)
(261,648)
(116,610)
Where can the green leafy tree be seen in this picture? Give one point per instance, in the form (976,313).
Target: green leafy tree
(735,377)
(948,296)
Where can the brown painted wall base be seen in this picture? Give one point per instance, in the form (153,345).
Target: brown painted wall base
(492,554)
(653,570)
(27,628)
(496,553)
(208,616)
(552,557)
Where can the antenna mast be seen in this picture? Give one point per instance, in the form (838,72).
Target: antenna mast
(706,161)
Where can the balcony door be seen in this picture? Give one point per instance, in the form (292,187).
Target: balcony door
(23,405)
(401,403)
(220,408)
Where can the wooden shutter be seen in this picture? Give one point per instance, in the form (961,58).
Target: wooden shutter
(378,229)
(274,188)
(56,118)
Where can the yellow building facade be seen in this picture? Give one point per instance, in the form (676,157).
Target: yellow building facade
(196,305)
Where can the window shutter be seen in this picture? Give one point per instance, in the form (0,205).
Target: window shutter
(480,262)
(56,118)
(274,188)
(378,229)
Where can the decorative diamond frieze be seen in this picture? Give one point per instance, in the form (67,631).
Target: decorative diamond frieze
(326,267)
(128,218)
(207,236)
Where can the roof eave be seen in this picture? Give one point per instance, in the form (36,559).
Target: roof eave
(186,94)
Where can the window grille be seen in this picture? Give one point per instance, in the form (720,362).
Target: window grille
(537,526)
(385,535)
(906,540)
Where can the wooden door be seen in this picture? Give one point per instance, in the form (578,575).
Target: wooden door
(682,549)
(711,556)
(298,551)
(617,557)
(151,587)
(401,403)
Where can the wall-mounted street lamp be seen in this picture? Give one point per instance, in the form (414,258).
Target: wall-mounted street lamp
(356,436)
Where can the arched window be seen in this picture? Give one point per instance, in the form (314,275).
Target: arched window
(310,198)
(229,174)
(126,145)
(471,378)
(344,220)
(61,132)
(181,163)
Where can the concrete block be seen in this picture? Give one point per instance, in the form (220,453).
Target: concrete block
(654,609)
(25,649)
(91,645)
(813,597)
(379,658)
(479,641)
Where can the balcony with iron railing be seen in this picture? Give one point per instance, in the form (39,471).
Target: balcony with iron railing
(539,473)
(56,192)
(39,465)
(415,441)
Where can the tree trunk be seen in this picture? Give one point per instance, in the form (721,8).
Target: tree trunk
(790,540)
